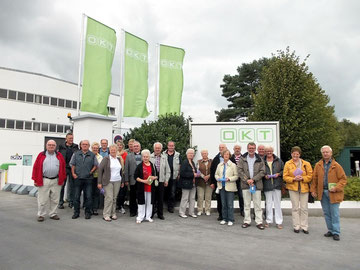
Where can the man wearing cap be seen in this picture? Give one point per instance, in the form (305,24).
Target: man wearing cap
(49,174)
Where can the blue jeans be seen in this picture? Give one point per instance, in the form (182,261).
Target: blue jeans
(85,185)
(331,213)
(227,201)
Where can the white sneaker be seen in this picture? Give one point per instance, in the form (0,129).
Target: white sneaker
(122,210)
(194,216)
(199,213)
(208,213)
(183,216)
(150,220)
(223,222)
(230,223)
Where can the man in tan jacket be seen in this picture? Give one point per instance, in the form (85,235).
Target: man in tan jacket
(327,185)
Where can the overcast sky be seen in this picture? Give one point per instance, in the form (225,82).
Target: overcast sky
(218,36)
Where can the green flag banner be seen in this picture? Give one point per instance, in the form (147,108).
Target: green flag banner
(170,79)
(99,55)
(135,77)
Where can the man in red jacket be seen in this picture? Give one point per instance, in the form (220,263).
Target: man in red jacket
(49,173)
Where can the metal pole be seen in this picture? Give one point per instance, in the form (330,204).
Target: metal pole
(157,57)
(80,62)
(122,71)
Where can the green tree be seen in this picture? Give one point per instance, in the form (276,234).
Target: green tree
(350,133)
(239,90)
(289,93)
(168,127)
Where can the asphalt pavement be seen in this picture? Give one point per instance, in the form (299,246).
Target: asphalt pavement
(175,243)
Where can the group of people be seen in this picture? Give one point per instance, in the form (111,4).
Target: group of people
(112,171)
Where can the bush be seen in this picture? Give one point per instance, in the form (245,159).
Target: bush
(352,189)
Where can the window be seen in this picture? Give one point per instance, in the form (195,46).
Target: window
(54,101)
(52,127)
(44,127)
(19,124)
(67,129)
(61,102)
(10,123)
(68,104)
(12,94)
(21,96)
(38,99)
(36,126)
(28,125)
(3,93)
(74,105)
(46,100)
(29,97)
(111,110)
(2,123)
(60,128)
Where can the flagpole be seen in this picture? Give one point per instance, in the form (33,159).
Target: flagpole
(157,57)
(122,71)
(80,62)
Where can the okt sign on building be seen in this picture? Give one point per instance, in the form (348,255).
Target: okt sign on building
(210,135)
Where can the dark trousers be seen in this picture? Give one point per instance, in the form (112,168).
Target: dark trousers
(240,195)
(121,197)
(159,200)
(219,204)
(95,195)
(85,185)
(133,203)
(70,182)
(171,192)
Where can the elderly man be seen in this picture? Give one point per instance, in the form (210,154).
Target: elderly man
(327,185)
(67,149)
(251,169)
(235,159)
(132,160)
(174,161)
(163,171)
(217,159)
(104,150)
(49,174)
(83,164)
(261,150)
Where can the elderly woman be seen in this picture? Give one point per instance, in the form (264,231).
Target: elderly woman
(297,175)
(96,192)
(111,179)
(273,182)
(145,175)
(122,193)
(203,184)
(187,184)
(226,175)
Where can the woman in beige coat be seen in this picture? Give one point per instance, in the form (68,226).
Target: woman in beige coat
(226,176)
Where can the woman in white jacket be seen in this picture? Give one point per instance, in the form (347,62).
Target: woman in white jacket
(226,176)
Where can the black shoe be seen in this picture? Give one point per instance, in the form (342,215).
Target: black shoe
(71,205)
(219,218)
(296,231)
(161,217)
(336,237)
(75,216)
(95,213)
(171,210)
(305,231)
(132,214)
(61,206)
(87,216)
(328,234)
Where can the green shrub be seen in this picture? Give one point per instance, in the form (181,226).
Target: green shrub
(352,189)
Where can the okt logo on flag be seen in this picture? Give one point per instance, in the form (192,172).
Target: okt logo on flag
(99,56)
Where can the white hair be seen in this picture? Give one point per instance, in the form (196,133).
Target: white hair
(269,147)
(145,152)
(204,150)
(159,143)
(325,146)
(189,150)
